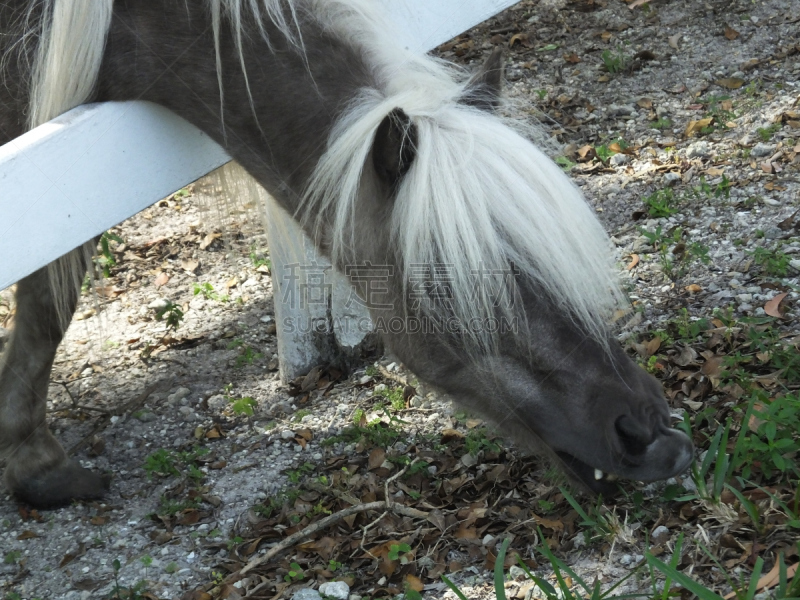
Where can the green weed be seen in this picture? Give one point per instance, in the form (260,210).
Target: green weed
(207,291)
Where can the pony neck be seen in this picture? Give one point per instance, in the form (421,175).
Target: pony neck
(278,103)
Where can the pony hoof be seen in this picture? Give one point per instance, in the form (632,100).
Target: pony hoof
(60,486)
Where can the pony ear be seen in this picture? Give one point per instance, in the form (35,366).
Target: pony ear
(483,89)
(395,146)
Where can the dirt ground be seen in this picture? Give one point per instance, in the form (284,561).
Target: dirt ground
(624,93)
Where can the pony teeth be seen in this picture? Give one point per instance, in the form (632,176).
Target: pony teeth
(598,474)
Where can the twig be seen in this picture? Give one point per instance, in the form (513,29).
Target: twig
(75,402)
(393,376)
(329,520)
(387,505)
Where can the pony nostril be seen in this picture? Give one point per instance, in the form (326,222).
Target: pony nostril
(634,437)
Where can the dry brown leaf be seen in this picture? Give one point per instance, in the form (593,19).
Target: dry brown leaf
(695,126)
(633,263)
(653,346)
(376,458)
(209,239)
(572,58)
(731,33)
(161,279)
(27,535)
(673,40)
(730,83)
(770,579)
(693,288)
(773,306)
(714,172)
(712,368)
(473,423)
(448,435)
(415,583)
(190,266)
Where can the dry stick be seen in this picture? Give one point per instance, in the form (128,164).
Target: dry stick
(387,505)
(386,499)
(319,525)
(75,402)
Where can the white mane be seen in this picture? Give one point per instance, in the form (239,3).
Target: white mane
(477,196)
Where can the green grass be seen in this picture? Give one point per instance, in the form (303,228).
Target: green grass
(773,262)
(675,252)
(614,61)
(207,291)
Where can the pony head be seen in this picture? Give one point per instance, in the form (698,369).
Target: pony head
(497,284)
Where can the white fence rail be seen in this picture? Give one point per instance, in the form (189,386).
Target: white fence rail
(69,180)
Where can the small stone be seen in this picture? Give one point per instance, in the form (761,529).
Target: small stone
(745,307)
(516,572)
(181,393)
(381,387)
(671,178)
(660,534)
(417,401)
(762,149)
(625,559)
(620,159)
(744,298)
(274,363)
(365,380)
(335,589)
(159,304)
(306,594)
(217,402)
(185,410)
(468,460)
(146,416)
(795,264)
(621,110)
(265,319)
(699,149)
(287,434)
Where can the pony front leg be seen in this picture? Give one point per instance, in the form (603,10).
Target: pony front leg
(38,470)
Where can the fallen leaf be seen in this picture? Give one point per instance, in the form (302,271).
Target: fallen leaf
(731,83)
(693,288)
(653,346)
(695,126)
(161,279)
(673,40)
(645,103)
(376,458)
(773,306)
(27,535)
(414,583)
(190,266)
(731,33)
(209,239)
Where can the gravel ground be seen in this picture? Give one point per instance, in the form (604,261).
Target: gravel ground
(678,62)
